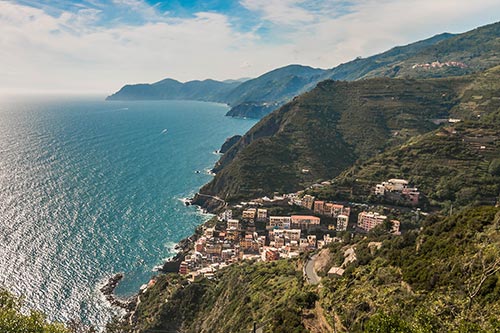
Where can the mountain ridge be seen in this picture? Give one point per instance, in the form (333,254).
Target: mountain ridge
(452,55)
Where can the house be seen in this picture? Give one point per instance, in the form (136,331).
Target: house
(411,195)
(248,243)
(380,189)
(283,236)
(307,201)
(319,207)
(199,246)
(280,222)
(183,268)
(248,214)
(261,215)
(342,222)
(270,254)
(213,249)
(209,232)
(305,221)
(226,215)
(336,271)
(233,224)
(395,184)
(369,220)
(398,190)
(303,244)
(311,239)
(232,234)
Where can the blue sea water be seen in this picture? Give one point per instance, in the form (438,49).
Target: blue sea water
(89,188)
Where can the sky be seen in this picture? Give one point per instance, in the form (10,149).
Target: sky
(93,46)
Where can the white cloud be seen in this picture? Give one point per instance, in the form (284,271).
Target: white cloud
(286,12)
(71,51)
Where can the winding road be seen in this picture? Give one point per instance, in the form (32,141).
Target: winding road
(309,272)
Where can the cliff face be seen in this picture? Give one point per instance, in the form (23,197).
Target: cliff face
(323,132)
(230,142)
(253,109)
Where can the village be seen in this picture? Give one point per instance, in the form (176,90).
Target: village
(250,230)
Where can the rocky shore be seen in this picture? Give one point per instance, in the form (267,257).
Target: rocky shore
(172,265)
(108,289)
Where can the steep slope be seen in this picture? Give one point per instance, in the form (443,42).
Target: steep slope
(477,49)
(239,296)
(279,84)
(445,278)
(459,163)
(327,129)
(446,54)
(442,277)
(382,63)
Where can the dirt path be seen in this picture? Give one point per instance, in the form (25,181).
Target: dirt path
(314,320)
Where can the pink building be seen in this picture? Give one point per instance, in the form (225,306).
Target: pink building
(305,221)
(369,220)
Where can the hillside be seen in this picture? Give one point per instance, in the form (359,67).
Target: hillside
(442,278)
(452,55)
(458,163)
(326,130)
(169,89)
(276,85)
(238,296)
(477,49)
(339,124)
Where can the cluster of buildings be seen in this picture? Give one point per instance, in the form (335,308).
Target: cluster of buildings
(398,190)
(337,211)
(438,64)
(260,236)
(283,237)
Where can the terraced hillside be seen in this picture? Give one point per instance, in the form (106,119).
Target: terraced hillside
(323,132)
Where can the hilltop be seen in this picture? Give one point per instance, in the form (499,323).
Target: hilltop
(169,89)
(439,56)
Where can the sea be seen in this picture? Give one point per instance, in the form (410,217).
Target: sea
(89,188)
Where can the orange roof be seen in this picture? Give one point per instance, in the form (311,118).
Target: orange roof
(305,217)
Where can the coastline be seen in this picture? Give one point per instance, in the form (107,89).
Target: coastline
(169,265)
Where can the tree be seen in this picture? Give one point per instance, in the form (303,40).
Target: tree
(13,321)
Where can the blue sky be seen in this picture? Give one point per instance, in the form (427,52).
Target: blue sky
(97,46)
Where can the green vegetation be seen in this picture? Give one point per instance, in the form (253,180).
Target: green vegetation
(442,279)
(456,164)
(368,131)
(477,49)
(442,275)
(13,320)
(270,294)
(326,130)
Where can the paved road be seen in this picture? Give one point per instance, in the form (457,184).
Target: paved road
(309,271)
